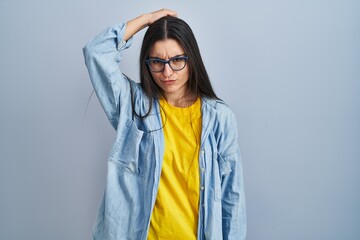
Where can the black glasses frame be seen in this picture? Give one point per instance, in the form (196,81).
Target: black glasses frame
(148,61)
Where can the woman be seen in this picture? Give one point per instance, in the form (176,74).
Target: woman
(174,171)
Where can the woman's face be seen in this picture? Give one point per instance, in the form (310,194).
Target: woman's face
(173,83)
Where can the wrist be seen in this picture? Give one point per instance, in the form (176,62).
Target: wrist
(135,25)
(145,20)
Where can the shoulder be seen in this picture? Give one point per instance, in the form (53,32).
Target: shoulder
(219,109)
(223,125)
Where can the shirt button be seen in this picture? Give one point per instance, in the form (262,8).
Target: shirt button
(203,169)
(202,188)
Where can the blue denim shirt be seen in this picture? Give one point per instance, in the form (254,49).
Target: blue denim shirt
(134,163)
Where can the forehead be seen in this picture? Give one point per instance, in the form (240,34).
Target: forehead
(166,49)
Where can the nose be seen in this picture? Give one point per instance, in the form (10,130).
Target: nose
(167,70)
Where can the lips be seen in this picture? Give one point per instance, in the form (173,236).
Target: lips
(168,81)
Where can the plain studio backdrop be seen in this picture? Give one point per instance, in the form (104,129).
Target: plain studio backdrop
(290,70)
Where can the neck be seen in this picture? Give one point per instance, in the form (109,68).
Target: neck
(180,100)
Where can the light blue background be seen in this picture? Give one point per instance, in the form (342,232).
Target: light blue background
(290,70)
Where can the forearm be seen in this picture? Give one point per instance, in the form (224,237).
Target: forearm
(135,25)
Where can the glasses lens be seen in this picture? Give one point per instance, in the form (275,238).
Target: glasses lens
(178,63)
(156,65)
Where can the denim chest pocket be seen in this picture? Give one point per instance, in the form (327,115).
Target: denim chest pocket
(223,168)
(130,149)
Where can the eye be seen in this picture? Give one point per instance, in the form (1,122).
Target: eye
(177,59)
(155,61)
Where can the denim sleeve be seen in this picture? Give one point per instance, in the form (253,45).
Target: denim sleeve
(232,184)
(102,58)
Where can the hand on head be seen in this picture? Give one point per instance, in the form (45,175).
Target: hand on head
(152,17)
(144,20)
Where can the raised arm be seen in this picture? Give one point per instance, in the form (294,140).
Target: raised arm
(102,57)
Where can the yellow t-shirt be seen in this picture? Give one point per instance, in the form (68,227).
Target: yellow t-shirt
(175,214)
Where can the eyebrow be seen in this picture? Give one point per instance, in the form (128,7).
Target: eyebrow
(179,55)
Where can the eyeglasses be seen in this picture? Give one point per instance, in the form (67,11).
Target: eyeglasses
(176,63)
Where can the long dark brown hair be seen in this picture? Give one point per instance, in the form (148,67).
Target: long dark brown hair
(176,29)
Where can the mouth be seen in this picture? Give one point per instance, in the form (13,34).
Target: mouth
(168,81)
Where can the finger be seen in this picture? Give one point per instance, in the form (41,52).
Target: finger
(167,12)
(161,13)
(171,13)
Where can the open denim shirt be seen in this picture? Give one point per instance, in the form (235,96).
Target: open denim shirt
(134,164)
